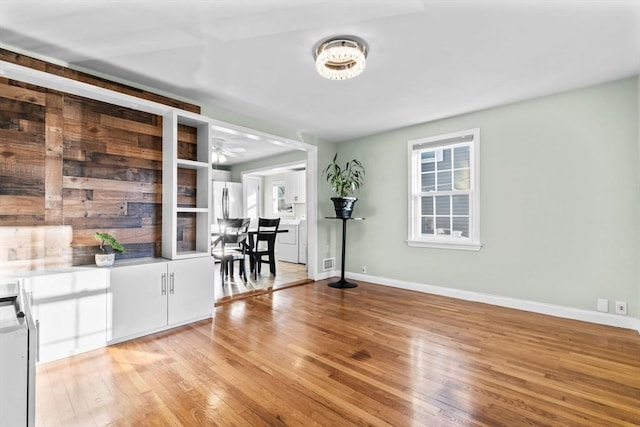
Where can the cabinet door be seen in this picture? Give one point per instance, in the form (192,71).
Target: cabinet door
(295,187)
(70,310)
(190,289)
(138,300)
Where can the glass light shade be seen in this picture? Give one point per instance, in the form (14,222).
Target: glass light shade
(340,59)
(218,157)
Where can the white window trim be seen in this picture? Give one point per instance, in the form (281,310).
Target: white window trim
(274,202)
(471,244)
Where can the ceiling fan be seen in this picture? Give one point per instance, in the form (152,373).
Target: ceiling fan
(221,152)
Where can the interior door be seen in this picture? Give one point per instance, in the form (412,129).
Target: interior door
(252,199)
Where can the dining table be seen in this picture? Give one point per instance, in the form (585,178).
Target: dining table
(217,236)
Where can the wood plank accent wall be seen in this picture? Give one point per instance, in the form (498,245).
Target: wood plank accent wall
(70,166)
(58,70)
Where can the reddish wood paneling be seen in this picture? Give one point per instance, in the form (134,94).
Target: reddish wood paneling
(54,137)
(74,166)
(22,156)
(104,156)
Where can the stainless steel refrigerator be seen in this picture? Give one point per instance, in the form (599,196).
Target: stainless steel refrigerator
(232,205)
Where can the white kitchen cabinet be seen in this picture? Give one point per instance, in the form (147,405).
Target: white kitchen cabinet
(287,243)
(190,290)
(295,187)
(146,298)
(302,241)
(137,299)
(70,311)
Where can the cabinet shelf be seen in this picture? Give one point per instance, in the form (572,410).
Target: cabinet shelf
(191,254)
(180,209)
(191,164)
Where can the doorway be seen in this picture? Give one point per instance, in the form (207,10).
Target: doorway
(269,192)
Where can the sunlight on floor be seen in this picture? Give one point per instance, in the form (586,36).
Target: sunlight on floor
(287,273)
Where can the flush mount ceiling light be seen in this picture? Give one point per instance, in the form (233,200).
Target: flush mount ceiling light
(341,58)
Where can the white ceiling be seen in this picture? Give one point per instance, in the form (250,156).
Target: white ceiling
(428,59)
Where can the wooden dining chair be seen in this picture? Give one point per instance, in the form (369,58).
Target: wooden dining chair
(233,237)
(264,244)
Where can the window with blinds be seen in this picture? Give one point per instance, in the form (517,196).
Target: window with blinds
(444,191)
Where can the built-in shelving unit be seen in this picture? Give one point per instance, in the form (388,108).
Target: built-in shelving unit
(173,211)
(185,219)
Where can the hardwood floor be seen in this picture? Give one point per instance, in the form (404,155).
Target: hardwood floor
(373,355)
(288,274)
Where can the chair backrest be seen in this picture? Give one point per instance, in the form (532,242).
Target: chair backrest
(234,231)
(267,231)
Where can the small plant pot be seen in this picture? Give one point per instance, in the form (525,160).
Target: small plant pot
(343,206)
(105,260)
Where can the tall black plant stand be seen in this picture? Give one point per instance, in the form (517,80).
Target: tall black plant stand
(342,283)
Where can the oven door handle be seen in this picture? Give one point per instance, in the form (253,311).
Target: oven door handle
(21,305)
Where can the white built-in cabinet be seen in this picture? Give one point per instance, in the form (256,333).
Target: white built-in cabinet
(149,297)
(85,308)
(295,187)
(70,311)
(172,210)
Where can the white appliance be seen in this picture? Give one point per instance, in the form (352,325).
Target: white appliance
(302,241)
(287,243)
(292,246)
(17,358)
(234,191)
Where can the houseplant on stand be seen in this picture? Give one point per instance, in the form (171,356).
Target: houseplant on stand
(107,256)
(344,181)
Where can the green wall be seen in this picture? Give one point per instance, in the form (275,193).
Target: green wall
(559,202)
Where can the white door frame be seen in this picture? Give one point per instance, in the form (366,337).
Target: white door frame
(245,191)
(312,198)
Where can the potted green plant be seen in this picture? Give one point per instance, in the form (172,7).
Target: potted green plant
(108,247)
(344,181)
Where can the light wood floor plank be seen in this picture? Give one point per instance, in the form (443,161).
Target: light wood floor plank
(288,274)
(312,355)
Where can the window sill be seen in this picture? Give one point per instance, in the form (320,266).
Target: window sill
(445,244)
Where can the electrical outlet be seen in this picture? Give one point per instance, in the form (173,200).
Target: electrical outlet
(603,305)
(364,269)
(621,307)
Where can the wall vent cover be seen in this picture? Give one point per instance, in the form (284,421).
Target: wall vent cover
(329,264)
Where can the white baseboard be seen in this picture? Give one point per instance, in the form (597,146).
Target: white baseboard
(325,275)
(533,306)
